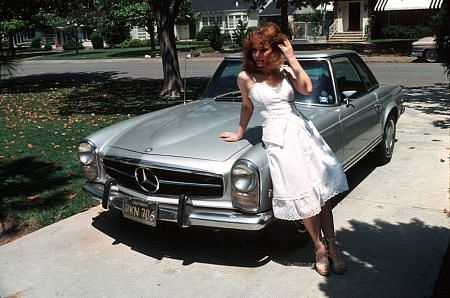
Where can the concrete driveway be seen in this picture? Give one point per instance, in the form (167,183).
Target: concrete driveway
(391,226)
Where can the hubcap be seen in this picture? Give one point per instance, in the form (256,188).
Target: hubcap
(389,136)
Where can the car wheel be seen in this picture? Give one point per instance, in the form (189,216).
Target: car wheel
(431,56)
(286,233)
(384,150)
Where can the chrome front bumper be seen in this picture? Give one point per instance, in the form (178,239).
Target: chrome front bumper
(184,214)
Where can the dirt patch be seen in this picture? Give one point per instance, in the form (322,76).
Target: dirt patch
(10,230)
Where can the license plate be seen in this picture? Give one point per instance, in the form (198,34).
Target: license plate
(142,212)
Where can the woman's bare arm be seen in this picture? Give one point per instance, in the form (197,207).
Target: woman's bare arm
(244,83)
(298,77)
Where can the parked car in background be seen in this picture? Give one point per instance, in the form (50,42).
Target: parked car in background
(171,165)
(425,48)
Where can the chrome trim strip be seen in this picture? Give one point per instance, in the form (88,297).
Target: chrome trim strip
(118,171)
(180,183)
(137,162)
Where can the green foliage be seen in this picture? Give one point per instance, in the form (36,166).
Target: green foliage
(97,40)
(207,50)
(402,31)
(441,28)
(216,38)
(71,45)
(114,33)
(203,34)
(135,43)
(195,53)
(36,42)
(239,33)
(48,46)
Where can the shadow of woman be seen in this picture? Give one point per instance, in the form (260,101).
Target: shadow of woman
(389,260)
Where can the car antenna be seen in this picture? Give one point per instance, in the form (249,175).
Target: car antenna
(184,93)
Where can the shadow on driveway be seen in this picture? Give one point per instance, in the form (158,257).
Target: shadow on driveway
(433,100)
(203,245)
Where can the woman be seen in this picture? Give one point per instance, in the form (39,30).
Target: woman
(305,172)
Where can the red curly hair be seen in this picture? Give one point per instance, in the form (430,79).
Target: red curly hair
(267,33)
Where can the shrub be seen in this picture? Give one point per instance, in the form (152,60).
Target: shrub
(239,33)
(123,44)
(204,33)
(97,40)
(48,46)
(215,38)
(207,50)
(195,53)
(135,43)
(70,45)
(36,42)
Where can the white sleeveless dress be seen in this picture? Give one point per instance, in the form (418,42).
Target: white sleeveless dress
(304,170)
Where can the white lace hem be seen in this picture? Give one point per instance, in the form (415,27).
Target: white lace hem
(310,203)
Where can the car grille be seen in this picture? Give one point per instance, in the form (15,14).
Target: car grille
(172,182)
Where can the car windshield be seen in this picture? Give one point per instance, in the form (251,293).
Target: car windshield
(223,86)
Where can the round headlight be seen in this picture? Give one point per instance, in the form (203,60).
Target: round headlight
(86,153)
(244,177)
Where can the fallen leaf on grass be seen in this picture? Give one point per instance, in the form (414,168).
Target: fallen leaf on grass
(30,146)
(33,198)
(72,196)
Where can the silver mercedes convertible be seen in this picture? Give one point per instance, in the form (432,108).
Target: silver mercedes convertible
(171,165)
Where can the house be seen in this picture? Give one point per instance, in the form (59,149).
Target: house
(226,14)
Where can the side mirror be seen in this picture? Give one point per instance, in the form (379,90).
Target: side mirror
(347,95)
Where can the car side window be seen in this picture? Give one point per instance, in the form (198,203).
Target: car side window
(347,78)
(364,72)
(323,92)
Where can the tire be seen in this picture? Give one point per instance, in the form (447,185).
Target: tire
(384,150)
(287,234)
(431,55)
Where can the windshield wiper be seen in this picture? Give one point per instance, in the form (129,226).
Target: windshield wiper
(233,94)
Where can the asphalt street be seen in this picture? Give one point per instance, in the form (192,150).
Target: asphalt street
(391,225)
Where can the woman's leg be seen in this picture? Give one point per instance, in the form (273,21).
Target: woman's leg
(326,221)
(312,224)
(327,226)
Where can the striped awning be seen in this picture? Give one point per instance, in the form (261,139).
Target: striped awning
(407,4)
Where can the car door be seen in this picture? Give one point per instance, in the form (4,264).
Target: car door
(360,114)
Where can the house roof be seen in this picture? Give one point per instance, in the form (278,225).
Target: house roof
(272,10)
(219,5)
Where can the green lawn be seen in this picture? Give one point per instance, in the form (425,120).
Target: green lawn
(41,123)
(112,53)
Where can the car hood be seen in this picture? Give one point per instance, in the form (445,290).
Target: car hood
(190,131)
(425,41)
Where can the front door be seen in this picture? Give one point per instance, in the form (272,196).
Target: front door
(354,16)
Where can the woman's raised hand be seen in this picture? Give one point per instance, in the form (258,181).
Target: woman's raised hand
(287,49)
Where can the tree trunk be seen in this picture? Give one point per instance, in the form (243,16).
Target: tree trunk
(76,41)
(166,12)
(12,50)
(151,32)
(284,26)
